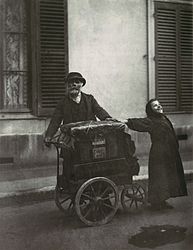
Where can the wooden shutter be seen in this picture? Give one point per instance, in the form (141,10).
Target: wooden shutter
(166,57)
(174,56)
(186,58)
(52,54)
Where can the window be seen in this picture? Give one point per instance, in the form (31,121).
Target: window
(14,60)
(174,56)
(33,55)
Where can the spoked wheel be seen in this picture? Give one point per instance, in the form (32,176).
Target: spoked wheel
(133,197)
(96,201)
(64,200)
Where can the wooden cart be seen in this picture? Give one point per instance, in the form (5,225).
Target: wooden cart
(98,167)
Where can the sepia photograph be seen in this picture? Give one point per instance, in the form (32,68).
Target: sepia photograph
(96,124)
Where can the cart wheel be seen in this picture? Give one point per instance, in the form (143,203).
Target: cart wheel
(96,201)
(133,197)
(63,200)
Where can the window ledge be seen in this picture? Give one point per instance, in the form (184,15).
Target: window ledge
(178,112)
(20,116)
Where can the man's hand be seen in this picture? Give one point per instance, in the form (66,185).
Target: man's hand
(65,128)
(111,119)
(47,141)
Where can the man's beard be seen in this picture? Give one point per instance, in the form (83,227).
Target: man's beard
(74,92)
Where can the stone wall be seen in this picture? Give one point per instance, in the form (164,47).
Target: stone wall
(28,150)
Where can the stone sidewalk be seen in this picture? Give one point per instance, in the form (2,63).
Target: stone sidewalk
(39,182)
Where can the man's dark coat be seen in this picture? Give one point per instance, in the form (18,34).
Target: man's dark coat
(90,109)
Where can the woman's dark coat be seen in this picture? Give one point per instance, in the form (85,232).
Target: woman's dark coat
(166,174)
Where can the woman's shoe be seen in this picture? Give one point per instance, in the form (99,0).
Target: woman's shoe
(160,206)
(155,207)
(166,205)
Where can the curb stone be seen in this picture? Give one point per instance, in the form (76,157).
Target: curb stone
(47,193)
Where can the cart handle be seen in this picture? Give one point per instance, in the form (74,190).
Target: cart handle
(55,140)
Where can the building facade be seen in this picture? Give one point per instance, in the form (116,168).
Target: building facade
(128,50)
